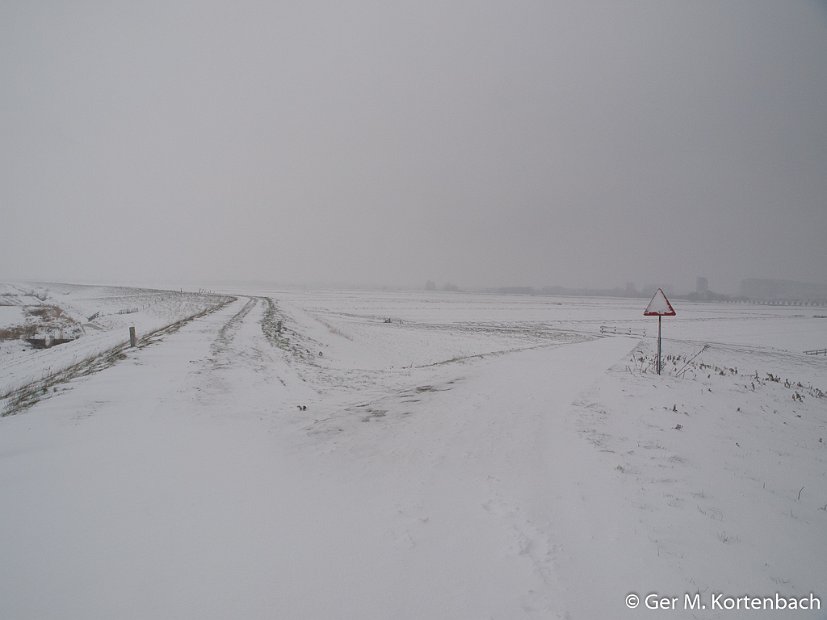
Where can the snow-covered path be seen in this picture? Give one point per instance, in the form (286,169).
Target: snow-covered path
(184,483)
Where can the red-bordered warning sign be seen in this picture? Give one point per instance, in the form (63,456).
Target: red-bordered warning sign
(659,306)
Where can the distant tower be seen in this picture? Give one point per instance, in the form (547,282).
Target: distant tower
(702,286)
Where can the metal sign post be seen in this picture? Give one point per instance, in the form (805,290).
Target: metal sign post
(659,318)
(659,306)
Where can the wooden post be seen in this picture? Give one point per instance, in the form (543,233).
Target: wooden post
(132,339)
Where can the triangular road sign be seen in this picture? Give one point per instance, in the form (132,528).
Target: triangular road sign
(659,306)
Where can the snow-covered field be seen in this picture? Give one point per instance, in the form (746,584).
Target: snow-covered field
(330,454)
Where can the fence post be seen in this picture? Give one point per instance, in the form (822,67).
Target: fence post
(132,339)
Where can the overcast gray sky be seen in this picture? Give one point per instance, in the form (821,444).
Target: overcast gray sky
(375,142)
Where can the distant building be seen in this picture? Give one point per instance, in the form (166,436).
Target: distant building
(761,289)
(702,292)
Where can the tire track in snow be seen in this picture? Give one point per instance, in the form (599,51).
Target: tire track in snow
(227,334)
(242,360)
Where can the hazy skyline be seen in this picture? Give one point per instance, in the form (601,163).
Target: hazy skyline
(482,143)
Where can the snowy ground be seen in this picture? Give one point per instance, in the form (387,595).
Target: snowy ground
(475,457)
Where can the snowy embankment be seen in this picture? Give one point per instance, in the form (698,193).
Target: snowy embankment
(457,462)
(98,317)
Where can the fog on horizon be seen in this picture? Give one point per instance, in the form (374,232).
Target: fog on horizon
(481,143)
